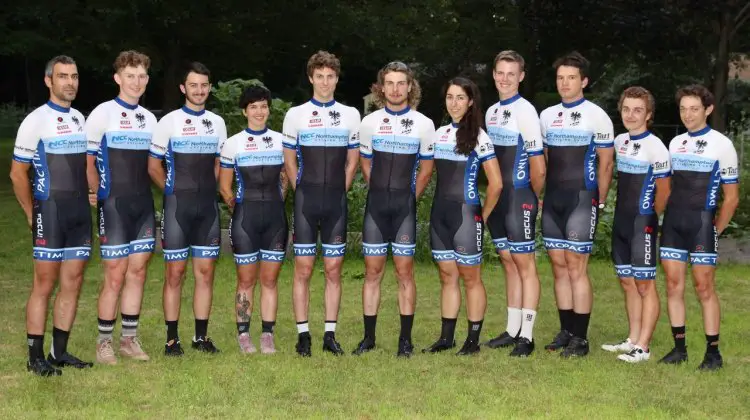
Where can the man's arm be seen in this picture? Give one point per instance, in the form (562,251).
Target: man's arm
(352,159)
(226,175)
(156,172)
(538,165)
(290,165)
(424,175)
(366,165)
(663,189)
(19,176)
(92,177)
(606,157)
(731,193)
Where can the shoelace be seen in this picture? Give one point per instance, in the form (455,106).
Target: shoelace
(106,349)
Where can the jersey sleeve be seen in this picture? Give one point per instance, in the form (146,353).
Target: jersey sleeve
(228,152)
(95,127)
(27,140)
(660,160)
(221,132)
(365,139)
(485,150)
(289,129)
(354,123)
(160,139)
(427,140)
(604,132)
(728,164)
(531,131)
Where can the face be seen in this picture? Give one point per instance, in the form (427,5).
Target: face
(257,113)
(63,84)
(457,102)
(692,112)
(396,88)
(635,114)
(570,84)
(507,76)
(132,81)
(196,88)
(324,82)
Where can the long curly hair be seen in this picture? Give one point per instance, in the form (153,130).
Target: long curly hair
(415,95)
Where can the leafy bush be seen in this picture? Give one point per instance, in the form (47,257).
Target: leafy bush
(226,96)
(10,118)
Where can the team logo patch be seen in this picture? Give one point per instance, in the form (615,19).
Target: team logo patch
(386,120)
(560,114)
(335,117)
(576,117)
(124,115)
(406,125)
(188,121)
(315,113)
(59,119)
(268,140)
(141,120)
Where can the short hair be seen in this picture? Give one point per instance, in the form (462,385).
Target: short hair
(414,96)
(574,59)
(638,92)
(131,58)
(700,91)
(511,57)
(198,68)
(60,59)
(254,94)
(323,59)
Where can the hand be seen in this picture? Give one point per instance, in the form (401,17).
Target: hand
(28,220)
(92,198)
(486,215)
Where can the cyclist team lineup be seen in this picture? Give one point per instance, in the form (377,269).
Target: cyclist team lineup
(65,163)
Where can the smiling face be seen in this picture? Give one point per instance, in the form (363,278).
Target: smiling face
(570,84)
(63,84)
(635,115)
(196,89)
(693,114)
(508,76)
(132,82)
(324,80)
(457,102)
(257,115)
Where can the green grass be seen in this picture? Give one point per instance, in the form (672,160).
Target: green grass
(377,385)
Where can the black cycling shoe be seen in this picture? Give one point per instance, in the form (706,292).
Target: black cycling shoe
(331,345)
(577,347)
(205,345)
(173,348)
(711,361)
(524,347)
(405,348)
(68,360)
(470,347)
(675,357)
(304,346)
(41,367)
(441,345)
(502,340)
(560,341)
(364,346)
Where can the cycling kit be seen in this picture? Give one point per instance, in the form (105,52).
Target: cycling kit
(321,134)
(456,228)
(571,133)
(701,162)
(189,141)
(394,142)
(51,139)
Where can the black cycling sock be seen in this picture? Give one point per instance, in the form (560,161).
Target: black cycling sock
(712,344)
(201,328)
(59,342)
(448,329)
(678,333)
(243,327)
(172,330)
(581,325)
(406,323)
(370,324)
(36,346)
(267,326)
(566,320)
(475,329)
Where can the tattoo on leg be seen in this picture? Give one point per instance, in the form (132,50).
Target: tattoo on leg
(243,304)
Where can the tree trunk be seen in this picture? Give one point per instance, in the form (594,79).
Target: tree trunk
(721,68)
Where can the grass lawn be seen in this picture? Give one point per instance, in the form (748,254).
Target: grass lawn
(376,385)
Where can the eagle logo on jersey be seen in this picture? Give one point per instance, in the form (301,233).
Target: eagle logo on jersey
(431,147)
(636,148)
(506,116)
(141,120)
(208,125)
(77,122)
(407,124)
(700,146)
(335,117)
(483,148)
(268,141)
(576,117)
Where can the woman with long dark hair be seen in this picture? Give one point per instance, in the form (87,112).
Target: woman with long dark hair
(457,218)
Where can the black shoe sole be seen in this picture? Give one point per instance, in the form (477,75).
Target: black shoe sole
(63,364)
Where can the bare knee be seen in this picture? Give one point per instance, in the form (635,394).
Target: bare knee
(302,272)
(268,282)
(506,259)
(628,284)
(175,275)
(645,287)
(675,284)
(373,274)
(204,274)
(333,274)
(704,289)
(137,272)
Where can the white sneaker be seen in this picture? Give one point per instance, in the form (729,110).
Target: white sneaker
(635,356)
(623,347)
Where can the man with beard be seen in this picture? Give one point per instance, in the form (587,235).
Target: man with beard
(394,142)
(51,138)
(189,139)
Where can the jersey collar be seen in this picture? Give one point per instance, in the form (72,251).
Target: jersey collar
(397,113)
(322,104)
(573,104)
(640,136)
(454,125)
(125,104)
(256,133)
(700,132)
(57,107)
(189,111)
(510,100)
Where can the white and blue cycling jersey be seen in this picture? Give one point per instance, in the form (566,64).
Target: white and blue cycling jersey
(457,174)
(641,159)
(257,158)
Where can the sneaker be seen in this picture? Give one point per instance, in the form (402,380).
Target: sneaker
(304,345)
(364,346)
(266,343)
(105,354)
(523,348)
(405,348)
(675,357)
(67,359)
(173,348)
(502,340)
(635,356)
(41,367)
(711,361)
(560,341)
(577,347)
(246,344)
(470,347)
(331,345)
(204,344)
(622,347)
(131,347)
(441,345)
